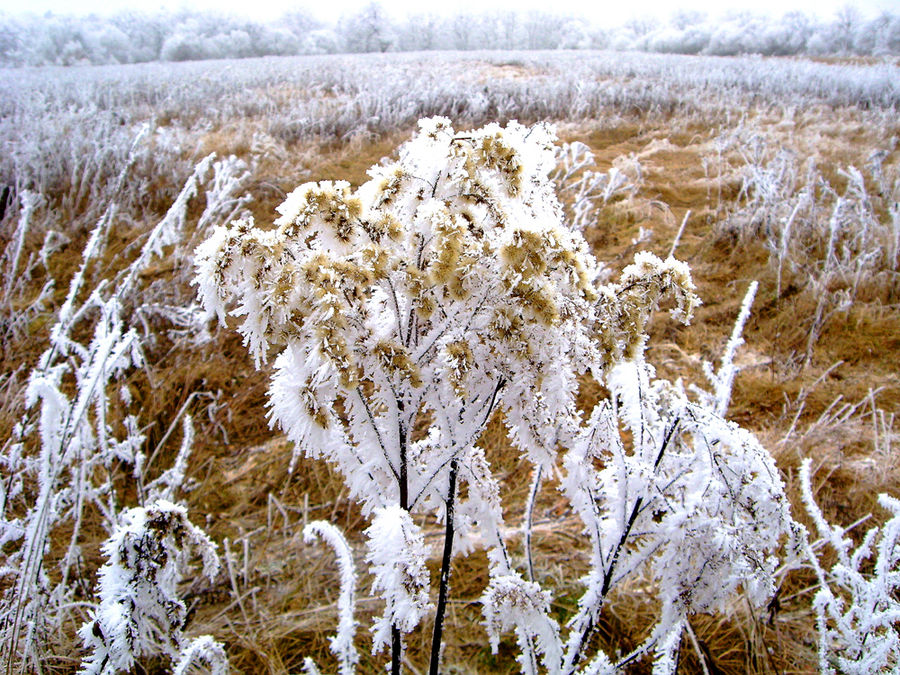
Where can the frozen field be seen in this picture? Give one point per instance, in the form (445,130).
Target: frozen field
(780,171)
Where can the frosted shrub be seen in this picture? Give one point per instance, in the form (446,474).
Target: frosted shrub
(404,313)
(856,606)
(140,613)
(690,499)
(583,190)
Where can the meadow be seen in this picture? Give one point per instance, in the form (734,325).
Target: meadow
(780,171)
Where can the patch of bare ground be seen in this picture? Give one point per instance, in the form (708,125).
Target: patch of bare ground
(491,72)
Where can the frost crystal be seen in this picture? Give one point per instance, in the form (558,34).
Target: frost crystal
(202,655)
(396,556)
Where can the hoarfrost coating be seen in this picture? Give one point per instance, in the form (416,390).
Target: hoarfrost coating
(342,642)
(70,135)
(66,445)
(403,313)
(140,613)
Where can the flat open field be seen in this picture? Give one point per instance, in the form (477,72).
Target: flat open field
(782,171)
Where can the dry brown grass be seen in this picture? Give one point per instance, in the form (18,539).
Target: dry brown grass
(278,603)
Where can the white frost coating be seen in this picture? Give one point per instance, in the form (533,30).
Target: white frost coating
(666,662)
(169,229)
(445,286)
(689,498)
(510,602)
(585,189)
(310,667)
(67,443)
(722,380)
(202,655)
(28,200)
(170,481)
(75,439)
(396,556)
(857,610)
(140,613)
(342,643)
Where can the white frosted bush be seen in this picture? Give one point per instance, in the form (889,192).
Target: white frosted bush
(838,243)
(81,429)
(682,496)
(403,313)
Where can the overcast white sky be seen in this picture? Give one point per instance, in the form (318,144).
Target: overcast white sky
(601,11)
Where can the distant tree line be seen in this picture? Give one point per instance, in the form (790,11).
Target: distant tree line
(134,37)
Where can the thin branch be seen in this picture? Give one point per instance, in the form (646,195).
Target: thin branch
(445,571)
(529,515)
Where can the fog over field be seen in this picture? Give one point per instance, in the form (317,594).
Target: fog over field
(345,344)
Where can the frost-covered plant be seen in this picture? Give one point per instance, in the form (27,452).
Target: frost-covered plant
(722,380)
(140,612)
(668,489)
(442,289)
(202,655)
(836,243)
(80,428)
(342,643)
(17,275)
(857,608)
(583,190)
(405,312)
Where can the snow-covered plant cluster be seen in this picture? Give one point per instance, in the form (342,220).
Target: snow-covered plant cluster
(840,244)
(140,612)
(403,314)
(81,436)
(583,190)
(856,606)
(64,127)
(694,500)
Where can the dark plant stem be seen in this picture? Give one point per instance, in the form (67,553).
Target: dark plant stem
(529,519)
(404,472)
(608,574)
(445,572)
(396,648)
(396,641)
